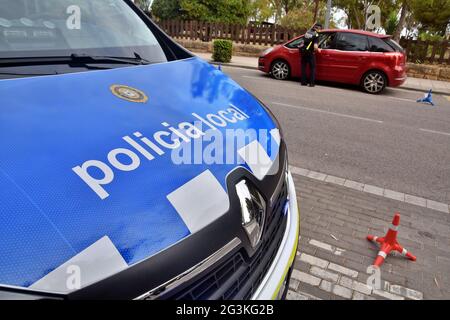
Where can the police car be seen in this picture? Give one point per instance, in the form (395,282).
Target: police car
(131,169)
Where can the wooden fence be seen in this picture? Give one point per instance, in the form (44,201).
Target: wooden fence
(257,34)
(427,51)
(268,35)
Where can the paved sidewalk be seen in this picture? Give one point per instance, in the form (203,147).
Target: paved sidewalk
(416,84)
(334,254)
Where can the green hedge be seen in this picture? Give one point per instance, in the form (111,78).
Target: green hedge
(222,50)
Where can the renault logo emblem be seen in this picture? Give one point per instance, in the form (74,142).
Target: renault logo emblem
(253,210)
(129,94)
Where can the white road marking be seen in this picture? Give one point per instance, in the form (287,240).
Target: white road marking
(400,196)
(401,99)
(257,78)
(436,132)
(340,89)
(328,112)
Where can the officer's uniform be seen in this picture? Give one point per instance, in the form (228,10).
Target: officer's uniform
(308,57)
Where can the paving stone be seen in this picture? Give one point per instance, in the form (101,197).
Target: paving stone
(338,210)
(314,291)
(291,295)
(355,285)
(308,250)
(346,282)
(330,257)
(326,286)
(321,245)
(362,287)
(387,295)
(309,296)
(301,265)
(305,277)
(327,247)
(342,292)
(343,270)
(359,296)
(406,292)
(314,261)
(324,274)
(293,284)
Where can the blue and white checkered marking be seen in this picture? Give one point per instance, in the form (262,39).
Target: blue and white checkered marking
(200,201)
(99,261)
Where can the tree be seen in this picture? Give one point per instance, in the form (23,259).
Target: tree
(433,15)
(316,9)
(227,11)
(356,12)
(401,22)
(262,10)
(391,23)
(166,9)
(298,18)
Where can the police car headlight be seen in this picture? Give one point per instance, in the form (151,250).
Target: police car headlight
(253,210)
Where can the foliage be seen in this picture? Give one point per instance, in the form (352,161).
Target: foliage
(391,23)
(429,36)
(222,50)
(261,10)
(300,18)
(166,9)
(433,15)
(356,11)
(226,11)
(414,16)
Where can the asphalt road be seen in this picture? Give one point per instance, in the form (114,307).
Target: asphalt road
(387,140)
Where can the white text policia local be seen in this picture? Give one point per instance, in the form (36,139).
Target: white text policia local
(171,139)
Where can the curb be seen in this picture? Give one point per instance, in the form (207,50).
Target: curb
(255,68)
(374,190)
(422,90)
(232,65)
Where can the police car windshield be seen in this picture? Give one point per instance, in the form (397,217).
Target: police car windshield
(46,28)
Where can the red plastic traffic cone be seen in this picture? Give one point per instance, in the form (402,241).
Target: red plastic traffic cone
(389,243)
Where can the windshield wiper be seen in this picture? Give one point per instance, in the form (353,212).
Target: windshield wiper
(83,58)
(74,58)
(26,74)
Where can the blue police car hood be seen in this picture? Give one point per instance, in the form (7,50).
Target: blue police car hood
(89,183)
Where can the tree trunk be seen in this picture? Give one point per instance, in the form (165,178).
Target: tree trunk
(401,22)
(316,9)
(358,22)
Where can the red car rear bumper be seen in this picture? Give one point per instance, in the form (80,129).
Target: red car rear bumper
(398,77)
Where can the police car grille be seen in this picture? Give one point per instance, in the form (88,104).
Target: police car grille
(238,277)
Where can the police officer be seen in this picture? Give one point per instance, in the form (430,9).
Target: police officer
(307,52)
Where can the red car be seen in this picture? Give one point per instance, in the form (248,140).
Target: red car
(357,57)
